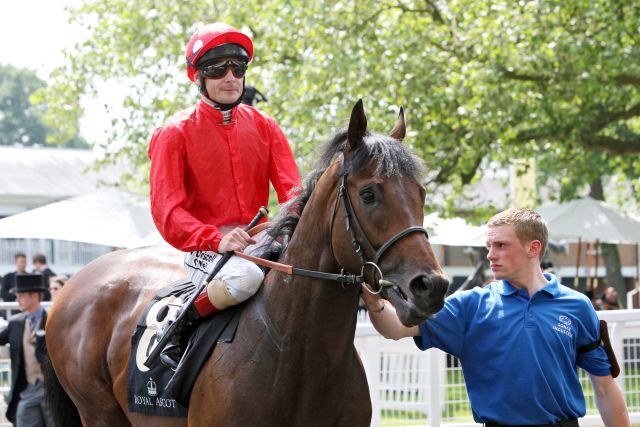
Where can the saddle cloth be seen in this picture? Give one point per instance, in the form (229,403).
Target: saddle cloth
(158,390)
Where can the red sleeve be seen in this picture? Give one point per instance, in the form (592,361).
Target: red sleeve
(284,173)
(169,197)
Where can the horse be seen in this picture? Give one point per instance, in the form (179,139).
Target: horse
(293,361)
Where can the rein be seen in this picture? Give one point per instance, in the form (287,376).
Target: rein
(344,279)
(355,229)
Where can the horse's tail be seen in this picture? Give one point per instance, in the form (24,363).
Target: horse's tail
(62,408)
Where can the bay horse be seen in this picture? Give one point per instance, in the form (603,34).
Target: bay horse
(293,361)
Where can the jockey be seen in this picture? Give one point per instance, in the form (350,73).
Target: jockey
(210,171)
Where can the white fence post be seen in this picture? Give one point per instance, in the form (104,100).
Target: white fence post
(434,358)
(370,355)
(616,342)
(630,297)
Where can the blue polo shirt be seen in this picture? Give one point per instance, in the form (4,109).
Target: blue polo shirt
(518,354)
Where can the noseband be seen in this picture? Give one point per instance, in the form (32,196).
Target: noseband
(363,245)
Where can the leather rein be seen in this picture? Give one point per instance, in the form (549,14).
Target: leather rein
(355,229)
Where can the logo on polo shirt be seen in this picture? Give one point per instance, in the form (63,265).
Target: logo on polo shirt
(564,326)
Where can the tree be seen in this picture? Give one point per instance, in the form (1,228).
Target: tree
(481,82)
(22,121)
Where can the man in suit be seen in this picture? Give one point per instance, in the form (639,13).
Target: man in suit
(25,336)
(9,281)
(40,267)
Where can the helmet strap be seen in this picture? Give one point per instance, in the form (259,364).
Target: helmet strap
(222,107)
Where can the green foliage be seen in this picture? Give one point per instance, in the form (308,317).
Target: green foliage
(22,113)
(20,122)
(481,82)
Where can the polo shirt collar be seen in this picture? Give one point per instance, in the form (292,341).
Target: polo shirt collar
(506,288)
(551,288)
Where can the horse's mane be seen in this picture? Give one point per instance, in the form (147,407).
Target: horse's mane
(392,158)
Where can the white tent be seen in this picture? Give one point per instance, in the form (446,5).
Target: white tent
(454,231)
(589,220)
(110,217)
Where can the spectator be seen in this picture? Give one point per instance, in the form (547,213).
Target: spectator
(40,267)
(9,281)
(547,267)
(55,285)
(25,335)
(592,298)
(609,299)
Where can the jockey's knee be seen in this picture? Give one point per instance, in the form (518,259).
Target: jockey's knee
(239,284)
(244,287)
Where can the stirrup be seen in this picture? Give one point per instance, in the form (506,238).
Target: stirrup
(174,349)
(171,356)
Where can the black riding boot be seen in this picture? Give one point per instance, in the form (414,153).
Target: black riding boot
(175,348)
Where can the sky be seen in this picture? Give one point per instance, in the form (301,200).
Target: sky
(34,34)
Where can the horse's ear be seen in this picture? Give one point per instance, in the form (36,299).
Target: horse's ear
(399,129)
(357,125)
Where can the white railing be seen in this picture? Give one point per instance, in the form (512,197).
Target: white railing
(631,295)
(412,387)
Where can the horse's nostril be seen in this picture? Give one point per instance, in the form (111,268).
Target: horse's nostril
(431,284)
(419,284)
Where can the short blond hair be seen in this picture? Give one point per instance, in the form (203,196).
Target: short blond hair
(527,223)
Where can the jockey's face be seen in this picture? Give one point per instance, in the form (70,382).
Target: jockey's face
(226,89)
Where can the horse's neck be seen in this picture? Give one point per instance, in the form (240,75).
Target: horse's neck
(321,311)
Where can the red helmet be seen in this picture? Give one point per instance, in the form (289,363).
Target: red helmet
(211,36)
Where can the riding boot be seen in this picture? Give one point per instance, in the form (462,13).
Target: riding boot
(194,313)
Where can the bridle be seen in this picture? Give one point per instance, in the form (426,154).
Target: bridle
(363,245)
(355,229)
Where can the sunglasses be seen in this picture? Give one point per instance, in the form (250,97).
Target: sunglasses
(217,70)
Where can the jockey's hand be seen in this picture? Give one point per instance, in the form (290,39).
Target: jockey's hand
(235,240)
(373,302)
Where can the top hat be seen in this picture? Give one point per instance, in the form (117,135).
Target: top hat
(29,283)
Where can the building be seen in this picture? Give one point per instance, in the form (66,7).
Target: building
(36,176)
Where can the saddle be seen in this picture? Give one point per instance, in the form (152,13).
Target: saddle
(158,390)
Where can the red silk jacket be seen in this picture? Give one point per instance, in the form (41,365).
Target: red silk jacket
(206,175)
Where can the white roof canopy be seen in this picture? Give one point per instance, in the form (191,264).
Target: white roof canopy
(589,220)
(110,217)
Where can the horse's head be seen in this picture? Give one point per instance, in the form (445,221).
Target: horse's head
(378,221)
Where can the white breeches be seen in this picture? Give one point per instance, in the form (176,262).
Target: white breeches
(242,278)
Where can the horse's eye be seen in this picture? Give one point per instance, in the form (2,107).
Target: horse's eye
(368,196)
